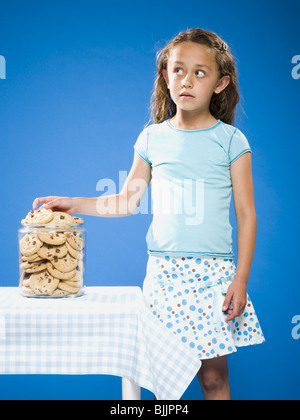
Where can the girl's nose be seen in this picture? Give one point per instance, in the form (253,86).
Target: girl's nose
(186,82)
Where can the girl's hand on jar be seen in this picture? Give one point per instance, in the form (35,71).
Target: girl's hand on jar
(65,204)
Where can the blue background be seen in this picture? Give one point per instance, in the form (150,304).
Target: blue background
(79,79)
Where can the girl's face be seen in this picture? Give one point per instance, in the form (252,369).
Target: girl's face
(192,76)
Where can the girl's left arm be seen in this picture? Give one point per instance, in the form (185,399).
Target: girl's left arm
(243,196)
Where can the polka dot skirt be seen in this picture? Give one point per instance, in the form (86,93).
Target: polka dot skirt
(187,295)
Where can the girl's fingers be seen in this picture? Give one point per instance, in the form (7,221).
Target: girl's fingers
(226,304)
(38,201)
(49,205)
(42,200)
(235,312)
(60,204)
(55,203)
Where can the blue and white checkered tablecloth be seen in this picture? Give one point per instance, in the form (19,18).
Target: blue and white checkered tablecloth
(109,331)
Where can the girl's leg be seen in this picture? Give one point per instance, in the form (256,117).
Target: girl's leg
(214,379)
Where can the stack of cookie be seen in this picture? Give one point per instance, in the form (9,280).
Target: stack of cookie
(51,254)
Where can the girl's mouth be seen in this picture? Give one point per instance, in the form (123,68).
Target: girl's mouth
(187,97)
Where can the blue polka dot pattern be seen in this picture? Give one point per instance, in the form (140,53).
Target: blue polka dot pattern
(176,292)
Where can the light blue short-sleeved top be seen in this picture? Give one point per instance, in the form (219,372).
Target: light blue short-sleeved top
(191,188)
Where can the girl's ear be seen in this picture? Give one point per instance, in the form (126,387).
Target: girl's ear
(222,84)
(166,77)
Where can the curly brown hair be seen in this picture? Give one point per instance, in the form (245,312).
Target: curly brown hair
(222,105)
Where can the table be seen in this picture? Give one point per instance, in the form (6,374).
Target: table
(109,330)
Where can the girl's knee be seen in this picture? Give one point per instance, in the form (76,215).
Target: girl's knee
(213,377)
(214,381)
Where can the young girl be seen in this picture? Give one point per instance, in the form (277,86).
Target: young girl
(193,153)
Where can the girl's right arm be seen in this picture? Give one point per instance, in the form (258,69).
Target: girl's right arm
(117,205)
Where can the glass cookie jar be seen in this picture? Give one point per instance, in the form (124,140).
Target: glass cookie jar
(52,260)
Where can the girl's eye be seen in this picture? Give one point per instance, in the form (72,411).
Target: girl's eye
(200,73)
